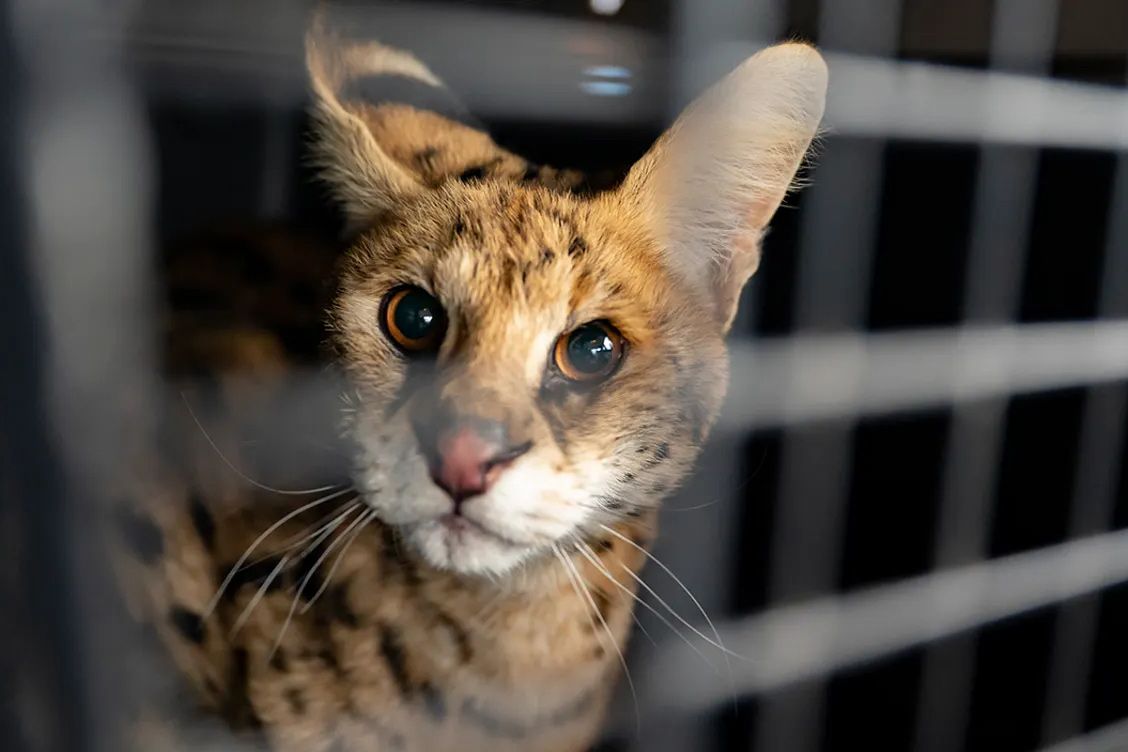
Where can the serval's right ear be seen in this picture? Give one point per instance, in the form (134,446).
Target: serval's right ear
(364,178)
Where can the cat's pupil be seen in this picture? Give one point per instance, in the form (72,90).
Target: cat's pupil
(415,314)
(590,349)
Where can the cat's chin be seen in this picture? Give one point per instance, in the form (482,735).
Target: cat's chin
(461,545)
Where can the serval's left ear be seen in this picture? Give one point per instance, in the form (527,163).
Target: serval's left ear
(364,177)
(387,129)
(712,182)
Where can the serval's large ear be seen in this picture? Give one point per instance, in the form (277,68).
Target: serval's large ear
(387,129)
(363,176)
(712,182)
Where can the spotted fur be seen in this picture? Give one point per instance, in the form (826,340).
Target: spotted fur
(506,634)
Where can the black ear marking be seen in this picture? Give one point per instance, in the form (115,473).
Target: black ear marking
(477,172)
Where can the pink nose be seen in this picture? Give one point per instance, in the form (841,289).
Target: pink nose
(464,462)
(468,463)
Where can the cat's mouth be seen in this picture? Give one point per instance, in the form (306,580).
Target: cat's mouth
(460,526)
(457,542)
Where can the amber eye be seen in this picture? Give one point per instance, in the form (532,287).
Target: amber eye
(590,352)
(413,319)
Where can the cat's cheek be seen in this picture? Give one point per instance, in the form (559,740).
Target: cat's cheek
(393,481)
(534,505)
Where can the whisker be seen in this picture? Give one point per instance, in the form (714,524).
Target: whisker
(336,562)
(329,520)
(258,541)
(693,508)
(236,470)
(717,643)
(579,582)
(728,662)
(590,555)
(305,581)
(250,607)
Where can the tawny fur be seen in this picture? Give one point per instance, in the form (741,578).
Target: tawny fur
(415,647)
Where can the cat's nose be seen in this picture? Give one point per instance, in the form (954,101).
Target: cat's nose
(469,456)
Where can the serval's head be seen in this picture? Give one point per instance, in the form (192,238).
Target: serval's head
(530,362)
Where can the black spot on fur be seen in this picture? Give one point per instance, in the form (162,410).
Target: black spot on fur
(391,648)
(202,520)
(662,452)
(547,256)
(141,535)
(627,477)
(578,247)
(188,623)
(237,708)
(296,701)
(279,662)
(329,658)
(606,544)
(337,603)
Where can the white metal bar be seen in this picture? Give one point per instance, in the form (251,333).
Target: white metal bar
(837,241)
(1111,738)
(817,377)
(792,643)
(1094,490)
(1022,39)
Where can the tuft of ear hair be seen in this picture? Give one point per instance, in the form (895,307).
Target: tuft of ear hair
(363,177)
(710,185)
